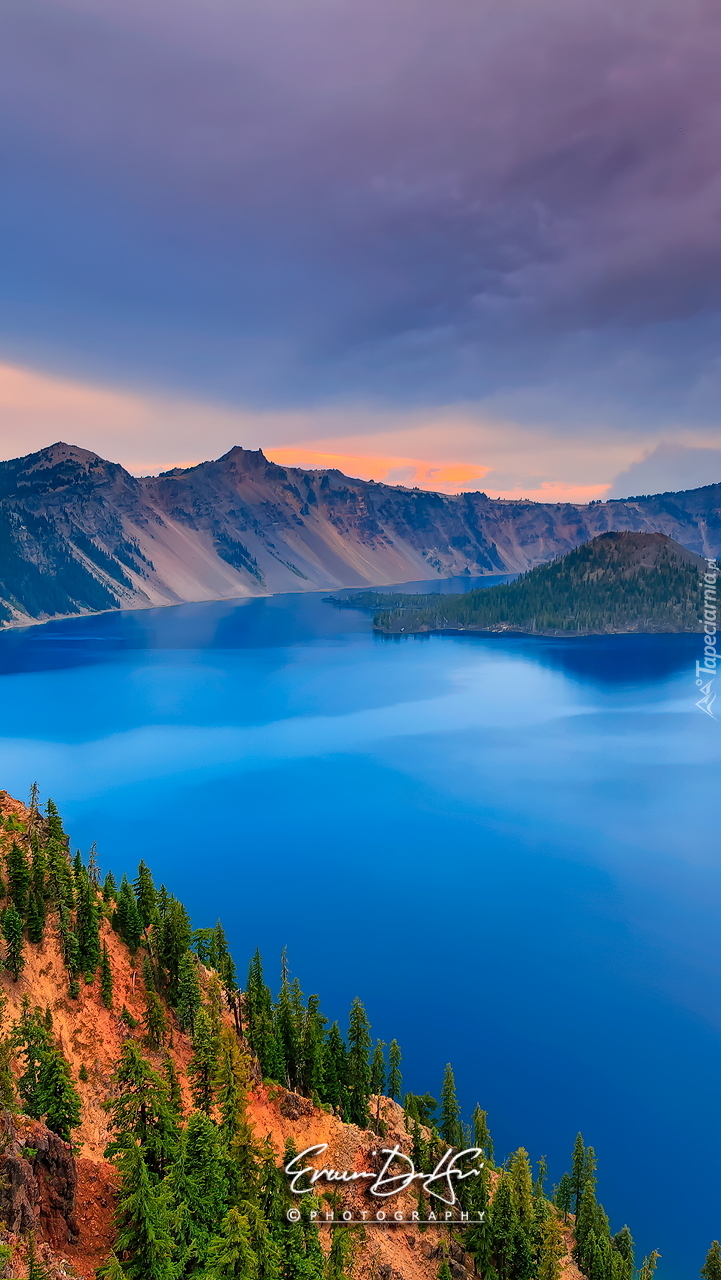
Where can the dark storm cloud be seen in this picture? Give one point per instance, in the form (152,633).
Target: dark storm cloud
(428,200)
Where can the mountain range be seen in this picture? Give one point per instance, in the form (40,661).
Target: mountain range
(79,534)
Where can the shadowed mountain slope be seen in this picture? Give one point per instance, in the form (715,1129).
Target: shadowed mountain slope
(79,534)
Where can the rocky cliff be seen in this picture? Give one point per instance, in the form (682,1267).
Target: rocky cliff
(79,534)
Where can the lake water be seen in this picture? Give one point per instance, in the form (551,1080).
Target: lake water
(507,847)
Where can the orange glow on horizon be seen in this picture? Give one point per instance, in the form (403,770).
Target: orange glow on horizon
(451,477)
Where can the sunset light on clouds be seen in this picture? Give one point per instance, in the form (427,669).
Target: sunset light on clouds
(449,244)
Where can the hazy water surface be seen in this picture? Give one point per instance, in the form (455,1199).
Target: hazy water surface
(508,847)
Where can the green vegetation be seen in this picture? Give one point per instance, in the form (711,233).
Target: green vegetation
(201,1197)
(619,582)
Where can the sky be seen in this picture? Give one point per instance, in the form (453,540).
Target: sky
(454,243)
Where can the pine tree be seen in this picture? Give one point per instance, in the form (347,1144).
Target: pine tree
(35,918)
(197,1189)
(87,925)
(231,1256)
(482,1134)
(36,1270)
(578,1171)
(258,1008)
(450,1126)
(19,878)
(552,1249)
(139,1107)
(359,1043)
(503,1230)
(519,1176)
(202,1063)
(8,1090)
(378,1069)
(564,1195)
(127,920)
(12,929)
(106,978)
(189,1000)
(175,1094)
(395,1079)
(339,1254)
(648,1266)
(711,1269)
(623,1244)
(312,1071)
(110,888)
(32,1041)
(174,934)
(143,1238)
(59,1099)
(335,1072)
(145,895)
(154,1020)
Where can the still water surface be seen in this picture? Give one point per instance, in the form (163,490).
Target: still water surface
(509,848)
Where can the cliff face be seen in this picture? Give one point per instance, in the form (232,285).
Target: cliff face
(80,534)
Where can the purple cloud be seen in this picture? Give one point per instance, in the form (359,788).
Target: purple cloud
(415,200)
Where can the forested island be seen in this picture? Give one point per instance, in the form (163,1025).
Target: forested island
(617,583)
(127,1038)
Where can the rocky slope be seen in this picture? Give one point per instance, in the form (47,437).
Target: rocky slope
(65,1196)
(79,534)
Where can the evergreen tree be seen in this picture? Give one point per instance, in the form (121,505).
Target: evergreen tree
(312,1072)
(258,1008)
(378,1069)
(139,1107)
(711,1269)
(648,1266)
(8,1090)
(521,1181)
(12,929)
(339,1254)
(359,1043)
(110,888)
(154,1020)
(36,1270)
(623,1245)
(127,920)
(143,1239)
(335,1071)
(145,895)
(503,1230)
(564,1195)
(231,1255)
(106,978)
(552,1249)
(32,1041)
(482,1134)
(19,878)
(175,1095)
(35,918)
(174,936)
(197,1190)
(87,925)
(395,1079)
(59,1099)
(578,1171)
(189,1000)
(450,1126)
(202,1063)
(39,865)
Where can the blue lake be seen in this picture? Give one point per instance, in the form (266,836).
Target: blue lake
(507,847)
